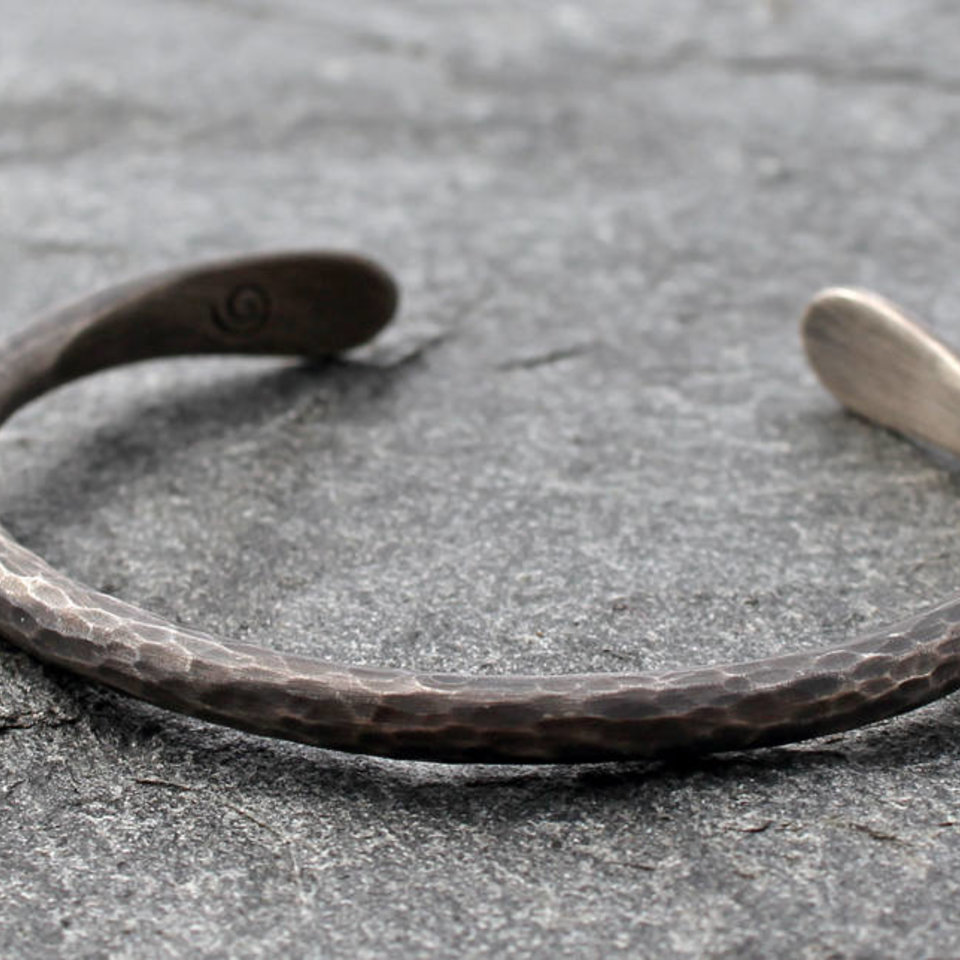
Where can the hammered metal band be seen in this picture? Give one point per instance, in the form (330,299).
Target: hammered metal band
(875,360)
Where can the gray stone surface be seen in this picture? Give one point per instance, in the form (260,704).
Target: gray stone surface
(590,443)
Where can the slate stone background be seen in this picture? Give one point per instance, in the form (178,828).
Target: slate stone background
(590,443)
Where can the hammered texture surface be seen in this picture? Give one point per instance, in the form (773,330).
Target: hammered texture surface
(456,718)
(325,301)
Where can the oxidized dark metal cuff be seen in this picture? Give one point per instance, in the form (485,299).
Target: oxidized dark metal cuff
(873,359)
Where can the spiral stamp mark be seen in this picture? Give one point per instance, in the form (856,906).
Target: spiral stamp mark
(245,310)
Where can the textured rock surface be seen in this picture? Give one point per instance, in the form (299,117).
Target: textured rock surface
(590,443)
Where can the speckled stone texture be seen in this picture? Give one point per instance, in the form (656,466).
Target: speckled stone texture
(591,443)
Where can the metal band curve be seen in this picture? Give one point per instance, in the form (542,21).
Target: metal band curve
(320,304)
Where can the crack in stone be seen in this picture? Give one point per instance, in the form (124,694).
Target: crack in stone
(546,359)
